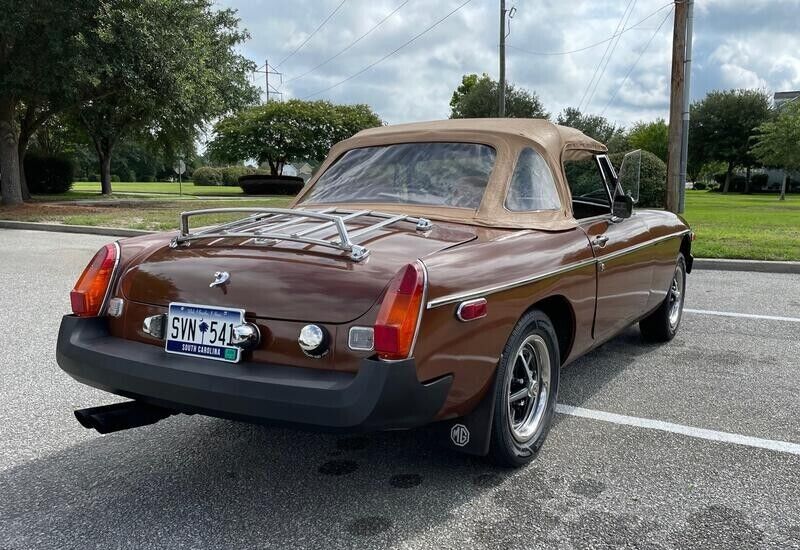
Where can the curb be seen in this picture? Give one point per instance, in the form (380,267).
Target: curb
(84,229)
(720,264)
(709,264)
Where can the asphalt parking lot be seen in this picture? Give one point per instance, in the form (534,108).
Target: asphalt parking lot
(695,444)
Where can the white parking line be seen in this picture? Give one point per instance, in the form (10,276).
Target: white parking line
(744,315)
(711,435)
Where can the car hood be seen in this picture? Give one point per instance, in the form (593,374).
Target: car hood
(284,280)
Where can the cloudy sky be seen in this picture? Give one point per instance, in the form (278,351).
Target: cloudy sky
(738,44)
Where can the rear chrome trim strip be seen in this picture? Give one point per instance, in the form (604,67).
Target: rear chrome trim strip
(484,291)
(111,282)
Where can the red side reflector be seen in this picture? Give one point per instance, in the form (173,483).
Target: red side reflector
(396,324)
(90,290)
(472,309)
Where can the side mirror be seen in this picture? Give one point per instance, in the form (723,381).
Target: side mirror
(623,206)
(629,174)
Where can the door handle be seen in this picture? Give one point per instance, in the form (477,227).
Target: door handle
(600,241)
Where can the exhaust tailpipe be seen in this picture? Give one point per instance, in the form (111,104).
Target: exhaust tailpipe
(121,416)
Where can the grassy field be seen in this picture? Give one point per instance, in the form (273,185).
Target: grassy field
(187,188)
(148,214)
(758,227)
(727,226)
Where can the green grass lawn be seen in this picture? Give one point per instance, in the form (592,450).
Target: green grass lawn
(149,214)
(187,188)
(758,227)
(727,226)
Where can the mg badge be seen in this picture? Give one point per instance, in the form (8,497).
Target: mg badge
(459,435)
(220,278)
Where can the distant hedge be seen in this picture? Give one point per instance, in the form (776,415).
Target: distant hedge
(262,184)
(652,179)
(46,175)
(221,175)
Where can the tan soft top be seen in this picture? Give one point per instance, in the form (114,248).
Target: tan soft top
(508,136)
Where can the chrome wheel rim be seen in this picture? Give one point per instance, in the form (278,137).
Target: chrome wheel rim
(676,298)
(528,388)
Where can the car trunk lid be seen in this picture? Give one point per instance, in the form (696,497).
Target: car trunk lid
(284,279)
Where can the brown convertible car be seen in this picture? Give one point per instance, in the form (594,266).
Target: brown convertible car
(433,273)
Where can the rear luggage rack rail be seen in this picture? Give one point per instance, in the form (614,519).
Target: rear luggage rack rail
(262,226)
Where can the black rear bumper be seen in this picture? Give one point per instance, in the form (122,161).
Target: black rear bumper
(382,395)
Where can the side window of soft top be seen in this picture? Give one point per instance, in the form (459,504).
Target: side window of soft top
(589,186)
(532,185)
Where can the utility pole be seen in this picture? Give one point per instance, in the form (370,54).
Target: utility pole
(687,92)
(678,95)
(501,112)
(266,77)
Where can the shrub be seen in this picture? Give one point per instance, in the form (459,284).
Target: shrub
(115,177)
(147,179)
(263,184)
(759,182)
(222,175)
(231,174)
(700,186)
(207,175)
(737,182)
(94,177)
(48,175)
(652,179)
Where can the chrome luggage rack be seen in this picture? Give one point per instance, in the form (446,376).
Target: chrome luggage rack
(262,227)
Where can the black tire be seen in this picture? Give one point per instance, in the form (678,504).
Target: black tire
(508,448)
(662,325)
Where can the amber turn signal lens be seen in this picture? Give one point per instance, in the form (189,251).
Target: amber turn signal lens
(90,290)
(397,319)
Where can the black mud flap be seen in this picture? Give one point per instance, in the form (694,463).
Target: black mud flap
(470,434)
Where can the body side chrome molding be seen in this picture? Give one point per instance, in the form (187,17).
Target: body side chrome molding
(477,293)
(484,291)
(634,248)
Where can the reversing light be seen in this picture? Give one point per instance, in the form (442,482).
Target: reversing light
(396,325)
(361,338)
(90,291)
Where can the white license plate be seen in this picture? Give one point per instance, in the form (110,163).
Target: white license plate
(203,331)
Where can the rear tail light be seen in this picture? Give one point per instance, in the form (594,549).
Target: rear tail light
(90,291)
(396,325)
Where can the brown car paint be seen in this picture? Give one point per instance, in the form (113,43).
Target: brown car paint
(596,289)
(468,350)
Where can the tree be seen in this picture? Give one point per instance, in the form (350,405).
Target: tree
(722,125)
(777,142)
(596,127)
(42,61)
(478,97)
(281,132)
(652,179)
(166,67)
(651,136)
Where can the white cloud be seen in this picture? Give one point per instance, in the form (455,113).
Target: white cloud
(738,43)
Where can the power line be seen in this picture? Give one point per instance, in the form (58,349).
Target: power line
(356,41)
(608,59)
(628,74)
(388,55)
(605,52)
(331,14)
(590,46)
